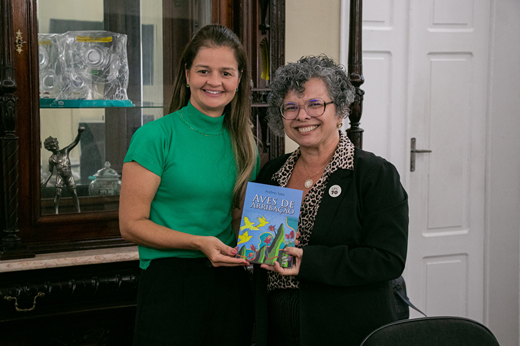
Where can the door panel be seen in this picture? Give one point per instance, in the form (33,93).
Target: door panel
(447,300)
(447,114)
(449,81)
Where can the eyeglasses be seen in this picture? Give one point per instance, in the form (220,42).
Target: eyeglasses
(313,107)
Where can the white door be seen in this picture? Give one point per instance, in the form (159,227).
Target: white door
(426,66)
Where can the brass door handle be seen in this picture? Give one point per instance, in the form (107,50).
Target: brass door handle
(9,298)
(414,151)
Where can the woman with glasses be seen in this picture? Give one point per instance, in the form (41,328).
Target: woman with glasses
(353,224)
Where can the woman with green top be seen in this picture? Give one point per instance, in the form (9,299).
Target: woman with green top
(183,178)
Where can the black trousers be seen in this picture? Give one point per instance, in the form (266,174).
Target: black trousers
(190,302)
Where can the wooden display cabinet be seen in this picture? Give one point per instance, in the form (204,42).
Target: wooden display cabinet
(88,297)
(157,31)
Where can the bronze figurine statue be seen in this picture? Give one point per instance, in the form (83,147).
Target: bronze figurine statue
(60,160)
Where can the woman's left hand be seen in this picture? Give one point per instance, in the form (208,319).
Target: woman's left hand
(297,255)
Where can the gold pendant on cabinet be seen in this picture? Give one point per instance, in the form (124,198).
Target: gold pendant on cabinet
(19,42)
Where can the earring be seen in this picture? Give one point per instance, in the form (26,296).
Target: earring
(339,125)
(236,89)
(187,85)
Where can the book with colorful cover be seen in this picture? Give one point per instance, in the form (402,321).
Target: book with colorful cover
(269,224)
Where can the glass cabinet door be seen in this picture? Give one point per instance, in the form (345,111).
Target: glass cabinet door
(104,71)
(105,68)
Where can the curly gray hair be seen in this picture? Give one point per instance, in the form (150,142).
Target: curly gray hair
(293,76)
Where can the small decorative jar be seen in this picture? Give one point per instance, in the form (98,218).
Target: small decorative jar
(106,182)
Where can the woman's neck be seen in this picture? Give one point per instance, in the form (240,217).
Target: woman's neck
(319,156)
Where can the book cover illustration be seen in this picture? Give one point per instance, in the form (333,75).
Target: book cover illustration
(269,223)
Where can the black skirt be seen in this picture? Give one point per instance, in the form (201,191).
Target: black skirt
(190,302)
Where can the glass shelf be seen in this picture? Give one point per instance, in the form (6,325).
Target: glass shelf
(90,53)
(50,103)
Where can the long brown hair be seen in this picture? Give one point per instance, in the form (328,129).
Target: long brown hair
(237,113)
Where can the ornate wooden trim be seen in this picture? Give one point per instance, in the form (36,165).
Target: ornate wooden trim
(355,71)
(223,13)
(258,21)
(277,56)
(259,97)
(19,42)
(11,243)
(61,291)
(277,34)
(79,305)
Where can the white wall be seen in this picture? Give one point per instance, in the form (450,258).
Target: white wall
(503,175)
(91,10)
(312,28)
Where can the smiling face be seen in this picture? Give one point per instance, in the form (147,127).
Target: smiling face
(213,79)
(312,133)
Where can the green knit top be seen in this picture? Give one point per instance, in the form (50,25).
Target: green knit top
(192,154)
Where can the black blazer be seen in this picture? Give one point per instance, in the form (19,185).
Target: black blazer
(358,244)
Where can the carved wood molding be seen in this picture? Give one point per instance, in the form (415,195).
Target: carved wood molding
(277,34)
(259,97)
(11,246)
(54,293)
(7,80)
(277,56)
(355,71)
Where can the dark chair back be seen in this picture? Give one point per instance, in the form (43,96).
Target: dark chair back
(432,331)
